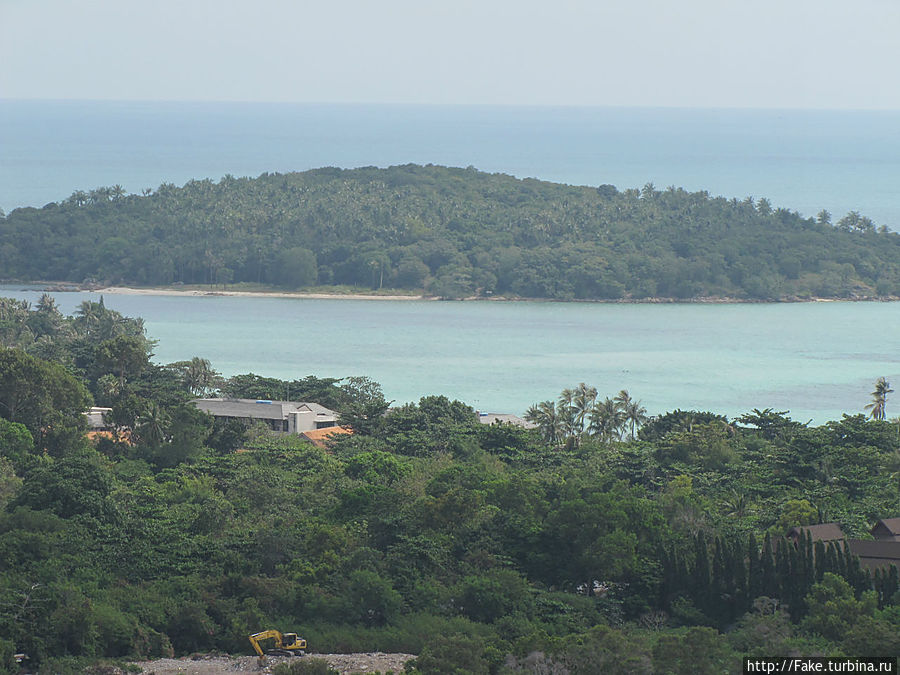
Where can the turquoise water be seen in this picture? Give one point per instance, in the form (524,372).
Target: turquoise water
(817,360)
(802,160)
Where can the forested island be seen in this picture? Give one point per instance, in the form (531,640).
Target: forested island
(450,233)
(599,541)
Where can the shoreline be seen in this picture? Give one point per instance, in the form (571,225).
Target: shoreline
(130,290)
(63,287)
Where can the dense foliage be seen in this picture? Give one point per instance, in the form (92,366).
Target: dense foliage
(483,549)
(453,232)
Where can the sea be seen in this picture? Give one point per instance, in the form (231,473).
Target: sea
(816,360)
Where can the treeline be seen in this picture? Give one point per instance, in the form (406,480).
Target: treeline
(482,549)
(452,233)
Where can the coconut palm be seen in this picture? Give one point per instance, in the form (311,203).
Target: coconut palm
(545,416)
(583,401)
(200,377)
(567,412)
(606,420)
(735,504)
(879,399)
(152,426)
(635,415)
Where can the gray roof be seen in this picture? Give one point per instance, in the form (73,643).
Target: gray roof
(95,417)
(892,525)
(260,409)
(873,554)
(504,418)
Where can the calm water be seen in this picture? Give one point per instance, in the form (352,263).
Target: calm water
(802,160)
(815,359)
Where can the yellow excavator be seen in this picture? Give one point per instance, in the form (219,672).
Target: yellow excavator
(285,644)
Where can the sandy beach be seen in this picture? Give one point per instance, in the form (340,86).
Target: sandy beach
(125,290)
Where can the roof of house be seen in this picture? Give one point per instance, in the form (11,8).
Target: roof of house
(95,417)
(318,437)
(504,418)
(823,532)
(261,409)
(874,554)
(892,525)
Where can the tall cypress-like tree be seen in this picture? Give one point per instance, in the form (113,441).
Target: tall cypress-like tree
(767,569)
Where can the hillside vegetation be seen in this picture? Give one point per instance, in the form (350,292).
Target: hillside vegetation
(452,232)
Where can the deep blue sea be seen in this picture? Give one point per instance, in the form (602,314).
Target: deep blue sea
(801,160)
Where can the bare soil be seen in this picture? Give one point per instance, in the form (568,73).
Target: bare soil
(219,664)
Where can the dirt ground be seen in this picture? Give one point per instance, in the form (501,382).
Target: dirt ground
(217,665)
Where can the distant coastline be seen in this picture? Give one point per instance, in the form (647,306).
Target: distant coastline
(340,294)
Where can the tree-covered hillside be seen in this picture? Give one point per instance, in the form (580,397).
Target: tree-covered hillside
(452,232)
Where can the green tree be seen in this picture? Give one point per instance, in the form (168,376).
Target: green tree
(833,609)
(123,355)
(546,418)
(879,399)
(607,420)
(43,397)
(295,268)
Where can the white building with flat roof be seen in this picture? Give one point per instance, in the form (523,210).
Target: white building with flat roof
(288,417)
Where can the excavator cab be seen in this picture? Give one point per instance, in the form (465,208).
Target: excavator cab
(288,640)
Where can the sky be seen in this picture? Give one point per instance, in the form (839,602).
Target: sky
(831,54)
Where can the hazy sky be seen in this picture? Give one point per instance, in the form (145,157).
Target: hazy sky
(710,53)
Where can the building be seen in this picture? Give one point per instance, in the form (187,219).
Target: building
(881,553)
(876,554)
(288,417)
(96,420)
(504,418)
(826,532)
(319,437)
(887,529)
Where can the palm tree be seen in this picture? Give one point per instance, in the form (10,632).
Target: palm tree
(635,415)
(606,420)
(879,399)
(199,376)
(152,426)
(735,504)
(583,401)
(544,415)
(567,412)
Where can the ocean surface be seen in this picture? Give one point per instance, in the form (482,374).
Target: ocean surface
(801,160)
(817,360)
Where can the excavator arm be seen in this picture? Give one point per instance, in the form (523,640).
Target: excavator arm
(264,635)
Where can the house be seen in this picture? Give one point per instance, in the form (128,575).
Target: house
(504,418)
(876,554)
(319,437)
(287,417)
(887,529)
(826,532)
(96,419)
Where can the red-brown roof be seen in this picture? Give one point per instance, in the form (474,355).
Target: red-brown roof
(319,437)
